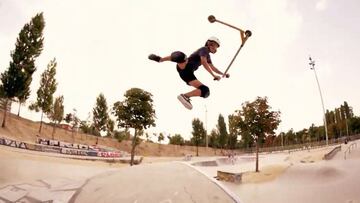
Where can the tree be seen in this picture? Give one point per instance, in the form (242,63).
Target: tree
(161,137)
(22,98)
(247,140)
(75,122)
(214,139)
(110,126)
(56,113)
(176,140)
(122,135)
(199,134)
(17,78)
(257,119)
(223,135)
(46,90)
(348,111)
(88,128)
(148,137)
(354,125)
(314,136)
(290,137)
(100,114)
(68,118)
(137,112)
(233,132)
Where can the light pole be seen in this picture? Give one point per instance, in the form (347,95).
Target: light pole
(312,64)
(206,138)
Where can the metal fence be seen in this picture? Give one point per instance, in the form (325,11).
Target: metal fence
(299,147)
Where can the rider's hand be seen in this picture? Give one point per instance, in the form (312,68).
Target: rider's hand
(217,77)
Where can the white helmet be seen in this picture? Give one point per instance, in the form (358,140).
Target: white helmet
(214,39)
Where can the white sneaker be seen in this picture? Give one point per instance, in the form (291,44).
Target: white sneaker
(185,101)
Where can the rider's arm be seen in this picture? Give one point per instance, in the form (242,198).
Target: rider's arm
(213,68)
(166,58)
(217,71)
(207,66)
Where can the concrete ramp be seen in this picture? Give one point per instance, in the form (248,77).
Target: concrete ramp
(161,183)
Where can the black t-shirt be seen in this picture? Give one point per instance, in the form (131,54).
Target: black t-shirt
(194,60)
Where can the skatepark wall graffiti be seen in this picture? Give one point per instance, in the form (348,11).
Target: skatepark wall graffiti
(74,151)
(54,146)
(78,149)
(13,143)
(57,143)
(44,148)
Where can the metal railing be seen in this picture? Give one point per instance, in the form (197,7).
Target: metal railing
(348,150)
(299,147)
(332,153)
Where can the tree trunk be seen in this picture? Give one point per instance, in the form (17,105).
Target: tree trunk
(19,109)
(73,136)
(197,150)
(133,149)
(53,132)
(42,114)
(257,156)
(5,113)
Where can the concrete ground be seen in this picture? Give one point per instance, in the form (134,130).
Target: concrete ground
(284,177)
(160,182)
(36,178)
(296,177)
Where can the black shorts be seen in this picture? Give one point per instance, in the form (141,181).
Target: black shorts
(186,74)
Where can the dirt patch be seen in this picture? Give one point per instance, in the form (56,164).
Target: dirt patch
(26,130)
(267,173)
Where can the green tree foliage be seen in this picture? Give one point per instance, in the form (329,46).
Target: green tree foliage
(223,134)
(177,139)
(338,121)
(74,121)
(46,91)
(56,113)
(148,136)
(214,139)
(17,78)
(122,135)
(257,119)
(198,133)
(68,118)
(161,137)
(313,133)
(341,122)
(233,132)
(110,127)
(136,111)
(22,98)
(87,127)
(100,114)
(354,125)
(247,140)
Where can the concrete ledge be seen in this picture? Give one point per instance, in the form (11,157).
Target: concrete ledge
(229,177)
(332,153)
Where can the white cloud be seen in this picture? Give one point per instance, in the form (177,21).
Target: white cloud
(321,5)
(103,48)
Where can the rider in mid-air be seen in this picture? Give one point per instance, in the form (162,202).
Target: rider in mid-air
(187,66)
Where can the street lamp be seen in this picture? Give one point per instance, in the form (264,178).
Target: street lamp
(206,138)
(312,64)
